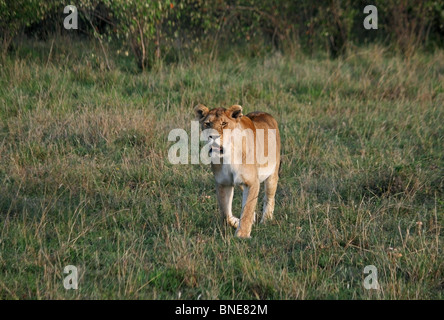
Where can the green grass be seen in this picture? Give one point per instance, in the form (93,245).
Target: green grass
(85,177)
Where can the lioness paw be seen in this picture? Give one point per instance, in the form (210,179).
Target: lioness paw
(242,234)
(233,221)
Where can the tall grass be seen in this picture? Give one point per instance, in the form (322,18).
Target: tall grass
(85,178)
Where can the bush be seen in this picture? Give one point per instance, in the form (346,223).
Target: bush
(147,26)
(15,15)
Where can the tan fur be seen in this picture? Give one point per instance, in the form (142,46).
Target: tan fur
(247,175)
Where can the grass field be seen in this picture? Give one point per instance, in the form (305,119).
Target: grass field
(85,177)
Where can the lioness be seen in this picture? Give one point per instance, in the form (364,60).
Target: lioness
(251,170)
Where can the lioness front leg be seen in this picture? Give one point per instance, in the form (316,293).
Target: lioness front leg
(247,217)
(270,192)
(225,199)
(244,201)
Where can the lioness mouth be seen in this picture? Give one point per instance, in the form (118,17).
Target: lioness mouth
(220,150)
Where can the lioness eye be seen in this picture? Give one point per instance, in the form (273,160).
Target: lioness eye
(224,124)
(207,124)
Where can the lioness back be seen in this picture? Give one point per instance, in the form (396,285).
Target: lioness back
(263,120)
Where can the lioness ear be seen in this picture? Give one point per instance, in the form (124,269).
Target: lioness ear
(235,111)
(201,111)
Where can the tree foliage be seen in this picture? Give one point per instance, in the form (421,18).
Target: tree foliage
(147,26)
(15,15)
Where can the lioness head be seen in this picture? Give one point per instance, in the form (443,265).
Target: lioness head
(213,123)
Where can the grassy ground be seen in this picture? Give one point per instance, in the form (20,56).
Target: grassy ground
(85,178)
